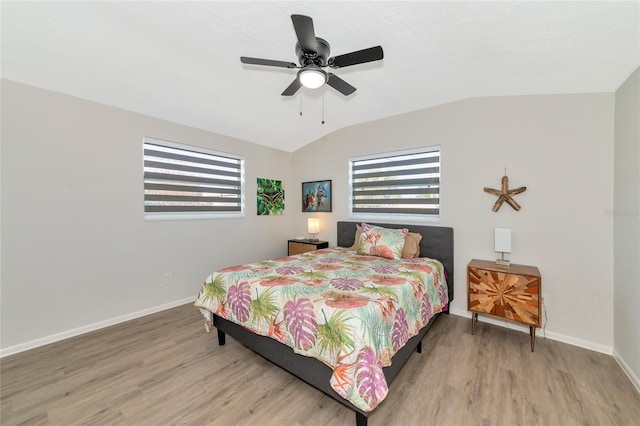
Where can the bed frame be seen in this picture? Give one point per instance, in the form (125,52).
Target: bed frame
(436,243)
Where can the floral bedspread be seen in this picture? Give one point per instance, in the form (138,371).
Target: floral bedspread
(352,312)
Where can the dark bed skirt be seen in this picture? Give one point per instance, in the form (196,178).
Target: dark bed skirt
(310,369)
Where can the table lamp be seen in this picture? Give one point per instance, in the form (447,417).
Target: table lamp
(313,227)
(502,243)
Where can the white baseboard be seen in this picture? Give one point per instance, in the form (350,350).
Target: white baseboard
(463,313)
(544,334)
(627,370)
(91,327)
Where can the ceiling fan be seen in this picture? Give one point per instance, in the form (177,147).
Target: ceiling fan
(313,54)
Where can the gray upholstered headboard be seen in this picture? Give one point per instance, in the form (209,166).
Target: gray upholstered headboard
(436,243)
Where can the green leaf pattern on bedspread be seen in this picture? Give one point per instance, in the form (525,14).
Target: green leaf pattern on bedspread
(351,311)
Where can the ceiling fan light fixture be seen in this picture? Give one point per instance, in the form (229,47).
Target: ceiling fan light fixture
(312,78)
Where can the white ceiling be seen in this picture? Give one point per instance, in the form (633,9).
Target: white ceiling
(179,61)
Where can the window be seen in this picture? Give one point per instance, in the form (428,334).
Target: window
(405,182)
(181,181)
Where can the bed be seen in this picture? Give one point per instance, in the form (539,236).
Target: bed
(357,370)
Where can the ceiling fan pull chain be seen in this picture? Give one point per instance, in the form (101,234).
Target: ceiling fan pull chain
(301,105)
(323,106)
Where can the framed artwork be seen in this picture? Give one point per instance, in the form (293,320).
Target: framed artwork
(316,196)
(270,197)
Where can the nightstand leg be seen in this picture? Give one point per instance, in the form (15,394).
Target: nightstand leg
(474,320)
(532,332)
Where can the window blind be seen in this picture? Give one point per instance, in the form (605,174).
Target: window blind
(397,183)
(182,180)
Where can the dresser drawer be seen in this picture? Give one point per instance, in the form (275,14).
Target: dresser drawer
(303,246)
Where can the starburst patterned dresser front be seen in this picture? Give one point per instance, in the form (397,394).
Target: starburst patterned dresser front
(509,292)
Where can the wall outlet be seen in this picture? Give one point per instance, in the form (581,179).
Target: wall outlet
(167,278)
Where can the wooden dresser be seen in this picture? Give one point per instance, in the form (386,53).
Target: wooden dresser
(509,292)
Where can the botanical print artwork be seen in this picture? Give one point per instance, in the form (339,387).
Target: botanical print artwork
(270,197)
(316,196)
(351,311)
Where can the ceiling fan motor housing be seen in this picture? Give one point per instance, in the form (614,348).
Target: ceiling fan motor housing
(318,58)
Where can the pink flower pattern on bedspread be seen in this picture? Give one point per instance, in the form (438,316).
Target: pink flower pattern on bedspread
(351,312)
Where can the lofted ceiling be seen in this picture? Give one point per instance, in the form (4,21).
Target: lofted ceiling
(179,60)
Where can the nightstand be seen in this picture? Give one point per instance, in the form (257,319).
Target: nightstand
(303,246)
(508,292)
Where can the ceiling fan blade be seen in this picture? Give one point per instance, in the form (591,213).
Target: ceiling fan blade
(293,88)
(340,85)
(358,57)
(267,62)
(305,33)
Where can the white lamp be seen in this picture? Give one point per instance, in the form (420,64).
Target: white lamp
(502,243)
(312,77)
(313,227)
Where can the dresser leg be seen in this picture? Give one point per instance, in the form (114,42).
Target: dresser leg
(532,332)
(474,320)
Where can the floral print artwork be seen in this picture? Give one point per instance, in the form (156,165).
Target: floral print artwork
(351,311)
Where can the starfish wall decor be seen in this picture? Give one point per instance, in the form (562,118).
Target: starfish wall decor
(505,194)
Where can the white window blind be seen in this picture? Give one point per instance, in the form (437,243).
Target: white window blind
(397,183)
(181,179)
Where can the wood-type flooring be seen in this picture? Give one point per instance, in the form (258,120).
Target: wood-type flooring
(163,369)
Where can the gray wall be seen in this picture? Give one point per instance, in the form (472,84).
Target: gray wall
(76,250)
(559,146)
(626,220)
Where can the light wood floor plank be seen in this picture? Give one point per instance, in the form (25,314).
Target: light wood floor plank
(164,369)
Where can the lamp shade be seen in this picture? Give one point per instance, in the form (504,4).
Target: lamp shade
(313,225)
(502,240)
